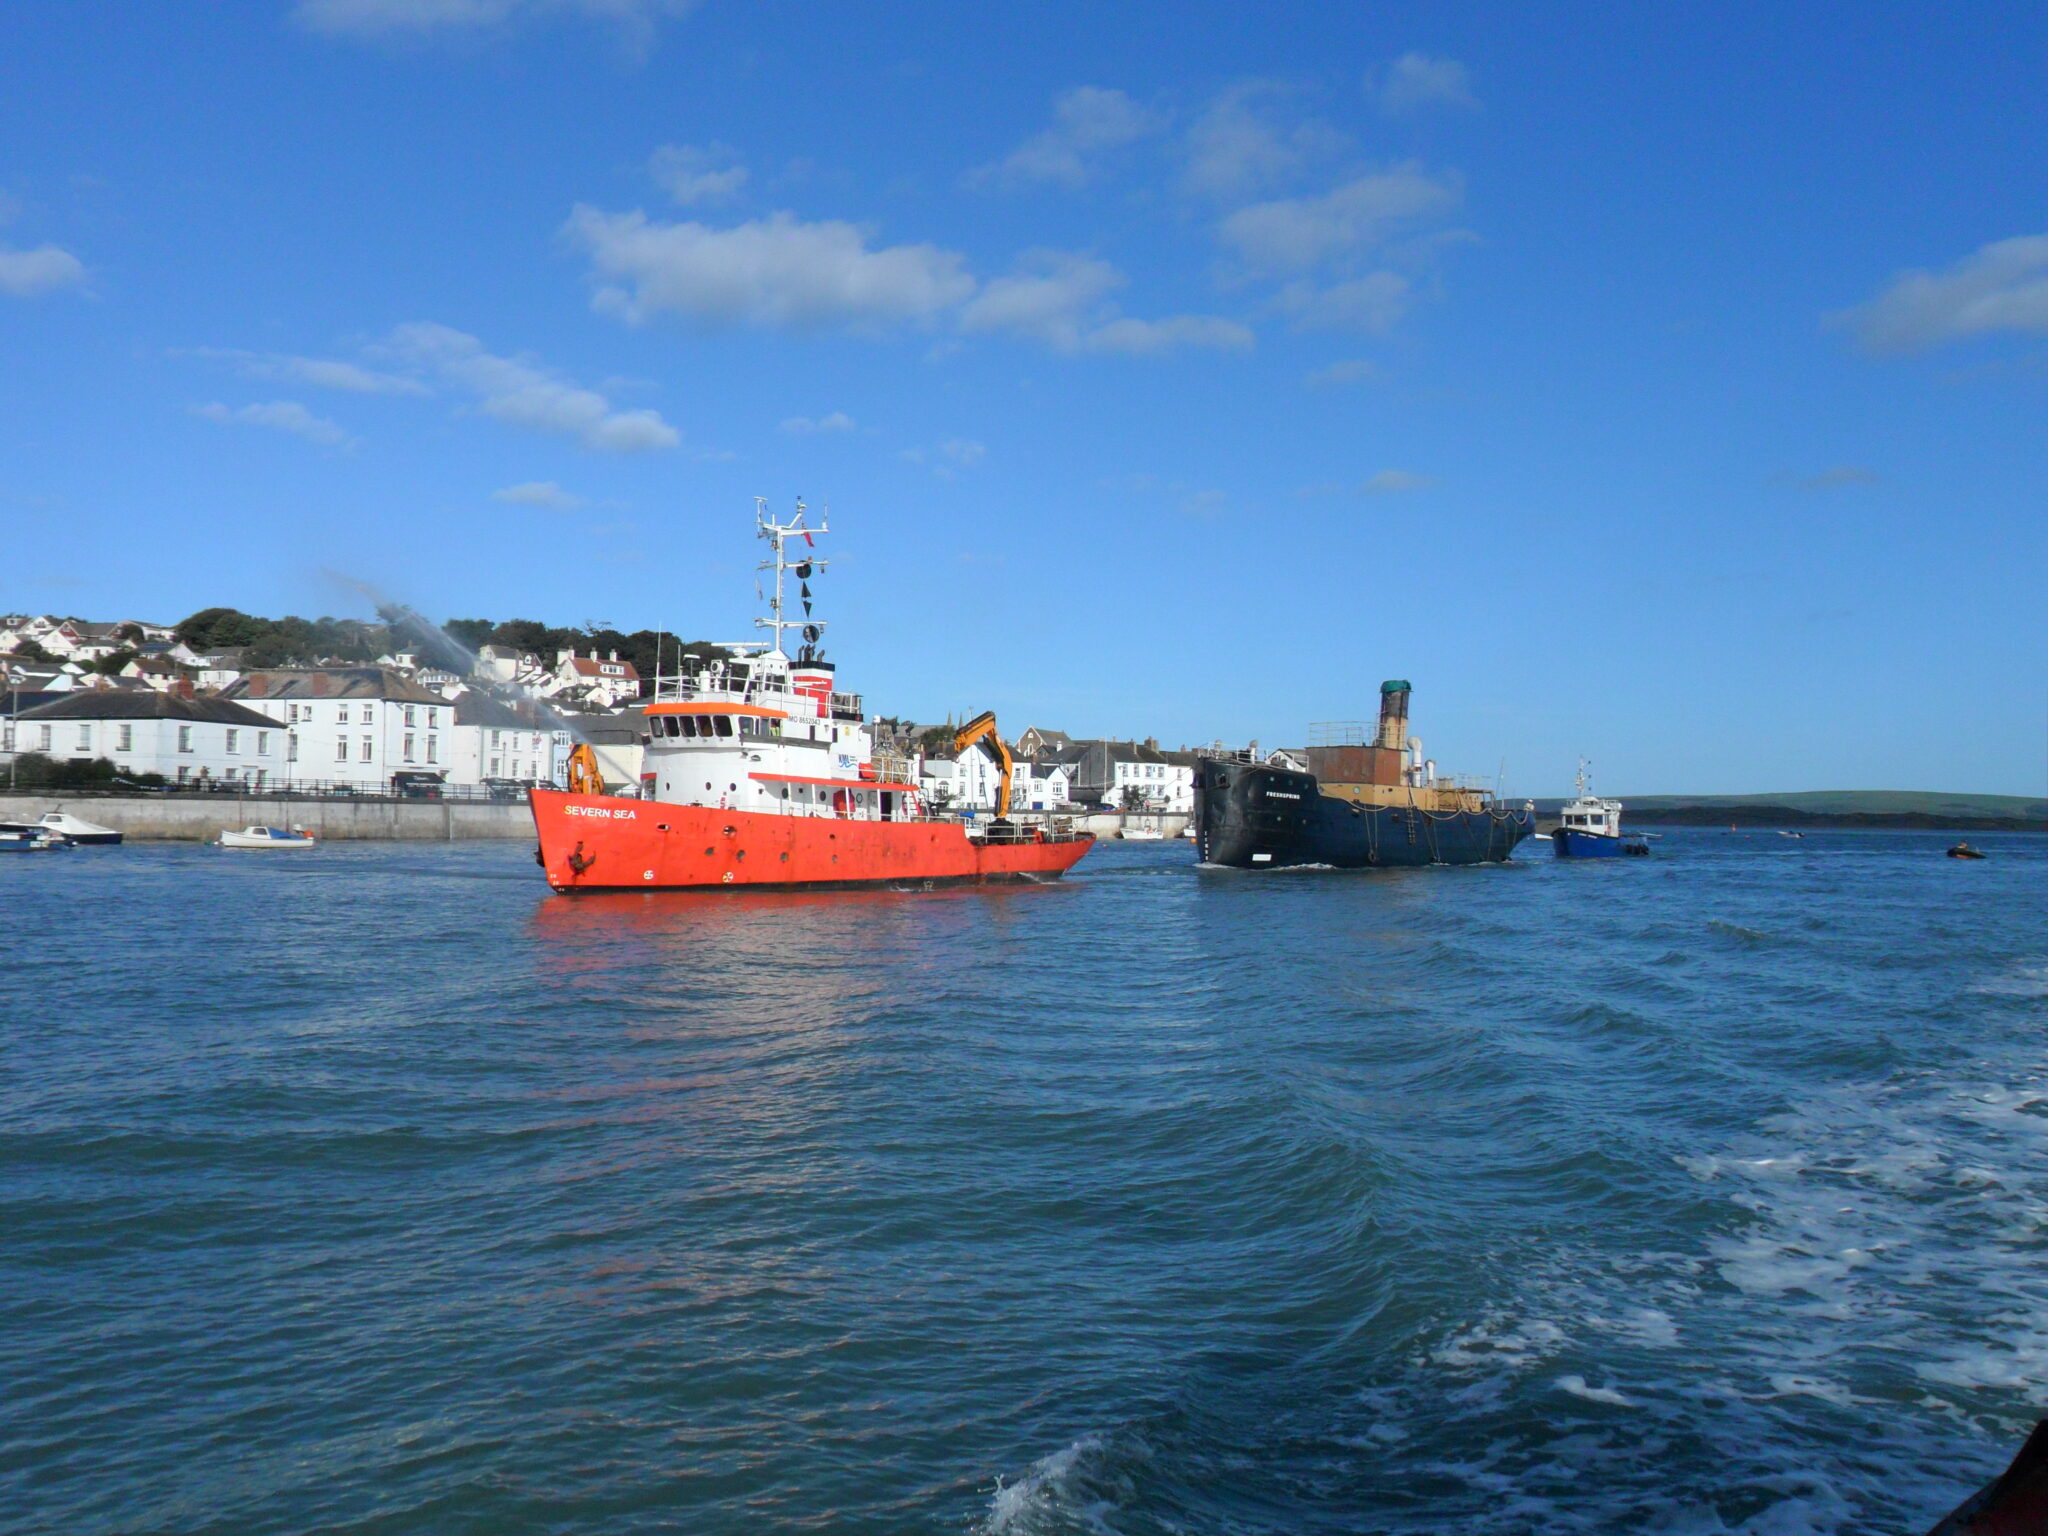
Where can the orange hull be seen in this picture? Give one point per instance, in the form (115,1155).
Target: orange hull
(603,843)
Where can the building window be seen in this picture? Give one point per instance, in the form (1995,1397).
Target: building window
(433,747)
(495,742)
(433,719)
(408,722)
(494,767)
(126,739)
(84,737)
(44,734)
(234,740)
(408,743)
(341,749)
(291,746)
(369,752)
(184,738)
(263,743)
(342,714)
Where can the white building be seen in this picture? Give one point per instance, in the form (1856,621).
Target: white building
(491,739)
(1041,787)
(968,781)
(592,681)
(142,731)
(1124,775)
(353,725)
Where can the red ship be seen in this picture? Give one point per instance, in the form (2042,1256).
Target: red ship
(757,773)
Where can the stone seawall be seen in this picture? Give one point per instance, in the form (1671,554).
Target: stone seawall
(196,818)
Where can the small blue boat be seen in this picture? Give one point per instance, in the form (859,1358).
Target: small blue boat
(1590,828)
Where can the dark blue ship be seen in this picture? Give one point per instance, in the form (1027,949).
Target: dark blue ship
(1360,804)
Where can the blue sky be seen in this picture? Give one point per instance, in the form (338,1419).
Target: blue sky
(1659,384)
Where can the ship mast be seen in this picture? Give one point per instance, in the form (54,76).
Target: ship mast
(779,535)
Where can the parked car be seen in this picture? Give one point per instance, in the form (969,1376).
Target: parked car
(416,784)
(505,789)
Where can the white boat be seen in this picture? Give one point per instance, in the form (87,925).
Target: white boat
(266,837)
(77,828)
(28,839)
(1143,835)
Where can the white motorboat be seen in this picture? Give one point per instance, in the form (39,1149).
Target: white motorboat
(23,838)
(1143,835)
(266,837)
(77,828)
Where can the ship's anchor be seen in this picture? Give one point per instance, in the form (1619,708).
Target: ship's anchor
(578,862)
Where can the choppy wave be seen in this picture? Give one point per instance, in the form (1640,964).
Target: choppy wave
(1703,1194)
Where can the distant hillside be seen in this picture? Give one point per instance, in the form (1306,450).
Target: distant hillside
(1863,802)
(1843,808)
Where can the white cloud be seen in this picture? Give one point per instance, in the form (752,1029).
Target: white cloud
(1141,337)
(1371,304)
(1050,298)
(25,274)
(1348,370)
(326,372)
(279,416)
(804,426)
(1395,482)
(540,493)
(948,457)
(1088,123)
(779,272)
(1298,234)
(1234,151)
(691,174)
(1061,299)
(1415,81)
(372,18)
(1999,287)
(1205,506)
(523,393)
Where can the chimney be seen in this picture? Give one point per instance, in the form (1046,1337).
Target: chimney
(1394,713)
(563,658)
(615,655)
(184,686)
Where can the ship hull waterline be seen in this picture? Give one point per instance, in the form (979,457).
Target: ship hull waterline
(607,843)
(1249,816)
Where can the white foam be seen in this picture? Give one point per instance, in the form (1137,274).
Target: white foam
(1576,1385)
(1493,1341)
(1045,1497)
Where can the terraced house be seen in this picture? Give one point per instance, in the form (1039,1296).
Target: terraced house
(188,741)
(353,726)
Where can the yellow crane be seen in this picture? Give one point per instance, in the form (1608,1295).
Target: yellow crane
(981,732)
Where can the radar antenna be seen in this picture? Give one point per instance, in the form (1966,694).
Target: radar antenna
(779,534)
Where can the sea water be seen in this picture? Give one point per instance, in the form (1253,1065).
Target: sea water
(376,1189)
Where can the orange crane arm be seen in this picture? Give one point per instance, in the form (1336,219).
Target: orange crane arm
(981,732)
(584,779)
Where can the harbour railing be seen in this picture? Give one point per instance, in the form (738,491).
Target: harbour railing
(281,789)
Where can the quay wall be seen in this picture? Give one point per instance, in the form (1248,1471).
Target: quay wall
(200,818)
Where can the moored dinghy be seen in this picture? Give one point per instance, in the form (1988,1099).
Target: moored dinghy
(266,837)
